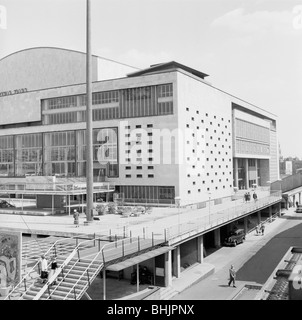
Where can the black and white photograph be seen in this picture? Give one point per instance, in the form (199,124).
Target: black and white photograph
(150,151)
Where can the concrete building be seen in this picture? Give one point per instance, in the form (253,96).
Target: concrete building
(158,134)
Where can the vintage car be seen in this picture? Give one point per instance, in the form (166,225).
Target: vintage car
(235,237)
(299,208)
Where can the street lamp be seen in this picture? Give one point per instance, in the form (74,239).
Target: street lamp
(177,202)
(209,207)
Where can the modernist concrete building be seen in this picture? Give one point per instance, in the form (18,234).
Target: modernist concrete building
(160,133)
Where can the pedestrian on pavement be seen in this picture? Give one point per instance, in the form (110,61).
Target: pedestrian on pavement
(297,203)
(232,279)
(53,268)
(262,229)
(245,197)
(255,196)
(248,196)
(76,217)
(44,270)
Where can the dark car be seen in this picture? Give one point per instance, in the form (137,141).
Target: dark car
(299,208)
(235,237)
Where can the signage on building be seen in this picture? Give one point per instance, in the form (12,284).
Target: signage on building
(11,92)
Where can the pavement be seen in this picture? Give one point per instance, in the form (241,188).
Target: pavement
(215,286)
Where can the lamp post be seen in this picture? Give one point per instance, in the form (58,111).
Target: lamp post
(209,207)
(89,154)
(177,202)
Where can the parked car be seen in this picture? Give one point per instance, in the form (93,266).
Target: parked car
(299,208)
(235,237)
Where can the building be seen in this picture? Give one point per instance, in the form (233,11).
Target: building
(158,134)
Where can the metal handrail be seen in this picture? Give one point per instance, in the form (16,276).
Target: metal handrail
(16,287)
(61,268)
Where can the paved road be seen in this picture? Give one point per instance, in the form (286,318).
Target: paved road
(254,260)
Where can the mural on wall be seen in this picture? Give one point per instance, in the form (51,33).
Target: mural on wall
(10,258)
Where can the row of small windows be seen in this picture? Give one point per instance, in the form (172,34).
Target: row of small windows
(208,189)
(139,176)
(139,167)
(197,112)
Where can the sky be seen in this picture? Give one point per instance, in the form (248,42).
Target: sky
(250,49)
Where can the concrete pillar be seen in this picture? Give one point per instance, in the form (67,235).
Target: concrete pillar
(246,173)
(236,172)
(217,241)
(245,224)
(270,213)
(279,209)
(168,269)
(259,216)
(256,166)
(176,259)
(294,200)
(200,249)
(299,197)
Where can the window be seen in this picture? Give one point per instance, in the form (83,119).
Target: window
(150,134)
(150,159)
(128,168)
(150,175)
(192,118)
(187,109)
(194,183)
(150,142)
(127,127)
(138,126)
(188,175)
(149,125)
(188,126)
(139,176)
(150,167)
(189,191)
(139,168)
(128,175)
(150,150)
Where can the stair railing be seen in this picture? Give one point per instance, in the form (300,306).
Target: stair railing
(23,281)
(76,250)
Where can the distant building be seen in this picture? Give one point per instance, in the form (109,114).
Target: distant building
(158,133)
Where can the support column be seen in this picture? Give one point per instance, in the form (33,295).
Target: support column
(246,173)
(279,209)
(259,216)
(270,213)
(294,200)
(245,224)
(236,172)
(168,269)
(217,241)
(200,249)
(299,197)
(176,259)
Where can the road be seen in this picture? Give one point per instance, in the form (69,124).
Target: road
(254,260)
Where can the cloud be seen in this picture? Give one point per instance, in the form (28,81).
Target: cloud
(259,22)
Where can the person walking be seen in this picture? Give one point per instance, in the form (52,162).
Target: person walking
(76,217)
(297,203)
(44,271)
(232,273)
(255,196)
(53,268)
(262,229)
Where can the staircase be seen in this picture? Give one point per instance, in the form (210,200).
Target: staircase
(71,285)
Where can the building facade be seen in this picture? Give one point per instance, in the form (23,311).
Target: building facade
(158,134)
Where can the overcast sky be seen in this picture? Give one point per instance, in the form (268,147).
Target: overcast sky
(251,49)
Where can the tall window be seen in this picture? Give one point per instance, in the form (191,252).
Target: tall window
(6,156)
(29,154)
(59,153)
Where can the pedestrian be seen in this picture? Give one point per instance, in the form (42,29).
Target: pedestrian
(262,229)
(53,268)
(257,230)
(248,196)
(76,217)
(255,196)
(297,203)
(232,279)
(44,270)
(245,197)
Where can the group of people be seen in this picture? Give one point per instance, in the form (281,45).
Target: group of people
(260,229)
(45,275)
(247,196)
